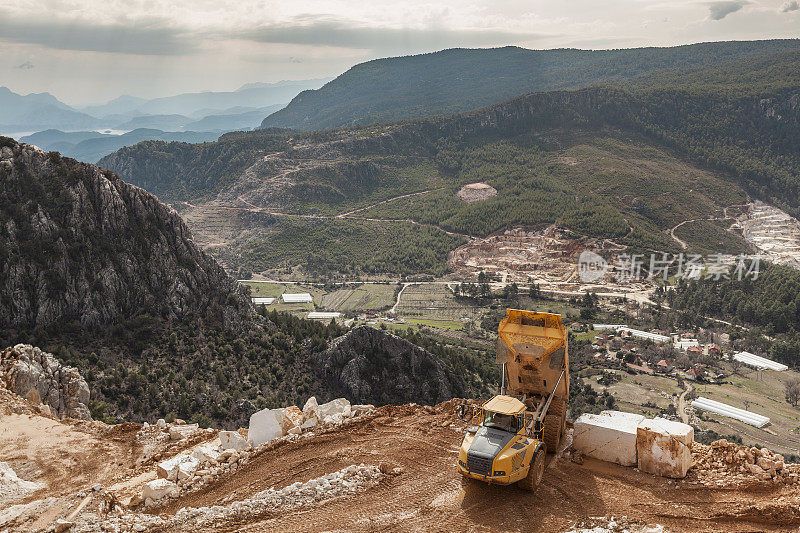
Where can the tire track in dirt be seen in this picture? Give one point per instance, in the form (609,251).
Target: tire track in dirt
(430,495)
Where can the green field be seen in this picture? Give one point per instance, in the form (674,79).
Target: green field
(431,304)
(354,298)
(363,297)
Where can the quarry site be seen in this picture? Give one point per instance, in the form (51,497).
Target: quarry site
(337,466)
(774,233)
(545,256)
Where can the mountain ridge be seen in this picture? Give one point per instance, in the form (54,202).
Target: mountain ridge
(459,80)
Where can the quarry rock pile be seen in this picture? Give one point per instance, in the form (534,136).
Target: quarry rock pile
(723,463)
(39,377)
(196,467)
(347,481)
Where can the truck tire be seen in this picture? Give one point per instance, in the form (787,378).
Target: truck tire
(559,407)
(536,470)
(552,431)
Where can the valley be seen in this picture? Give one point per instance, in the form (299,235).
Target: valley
(166,312)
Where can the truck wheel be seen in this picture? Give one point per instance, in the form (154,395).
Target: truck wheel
(535,472)
(552,431)
(559,407)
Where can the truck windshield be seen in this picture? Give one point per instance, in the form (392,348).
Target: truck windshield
(501,421)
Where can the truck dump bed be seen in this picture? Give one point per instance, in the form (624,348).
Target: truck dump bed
(533,350)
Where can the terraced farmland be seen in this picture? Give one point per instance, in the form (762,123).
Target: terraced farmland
(435,305)
(365,297)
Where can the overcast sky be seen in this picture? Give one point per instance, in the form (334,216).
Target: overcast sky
(89,51)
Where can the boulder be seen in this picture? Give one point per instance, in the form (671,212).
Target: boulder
(292,418)
(40,377)
(207,452)
(264,427)
(187,468)
(664,447)
(182,431)
(334,407)
(311,408)
(309,423)
(609,436)
(169,469)
(288,418)
(158,489)
(232,440)
(362,409)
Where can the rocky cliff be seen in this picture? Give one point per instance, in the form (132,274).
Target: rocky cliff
(79,244)
(40,377)
(368,365)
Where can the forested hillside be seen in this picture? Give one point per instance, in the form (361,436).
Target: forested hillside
(624,162)
(458,80)
(102,275)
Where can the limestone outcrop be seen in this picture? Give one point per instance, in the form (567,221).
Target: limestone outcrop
(78,244)
(40,377)
(368,365)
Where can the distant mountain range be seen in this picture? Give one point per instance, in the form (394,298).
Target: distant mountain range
(42,111)
(191,117)
(91,146)
(198,105)
(459,80)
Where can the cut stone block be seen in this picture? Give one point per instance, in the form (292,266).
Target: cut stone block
(158,489)
(663,447)
(207,452)
(169,469)
(232,440)
(264,427)
(334,407)
(182,431)
(187,468)
(609,436)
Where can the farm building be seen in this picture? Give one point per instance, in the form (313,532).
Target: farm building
(258,300)
(296,298)
(323,315)
(759,362)
(724,409)
(635,333)
(685,344)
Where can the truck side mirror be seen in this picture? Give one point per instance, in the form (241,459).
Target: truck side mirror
(528,421)
(466,412)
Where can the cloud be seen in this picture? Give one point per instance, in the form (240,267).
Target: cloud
(720,10)
(25,66)
(790,5)
(345,34)
(143,38)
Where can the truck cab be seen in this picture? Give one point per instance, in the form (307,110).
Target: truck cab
(500,446)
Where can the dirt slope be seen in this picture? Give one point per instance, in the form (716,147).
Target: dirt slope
(429,495)
(424,493)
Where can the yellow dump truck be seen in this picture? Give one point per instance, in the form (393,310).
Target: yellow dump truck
(510,434)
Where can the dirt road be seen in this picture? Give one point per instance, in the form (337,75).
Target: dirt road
(429,495)
(682,403)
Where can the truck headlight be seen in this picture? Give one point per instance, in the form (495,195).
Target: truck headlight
(499,473)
